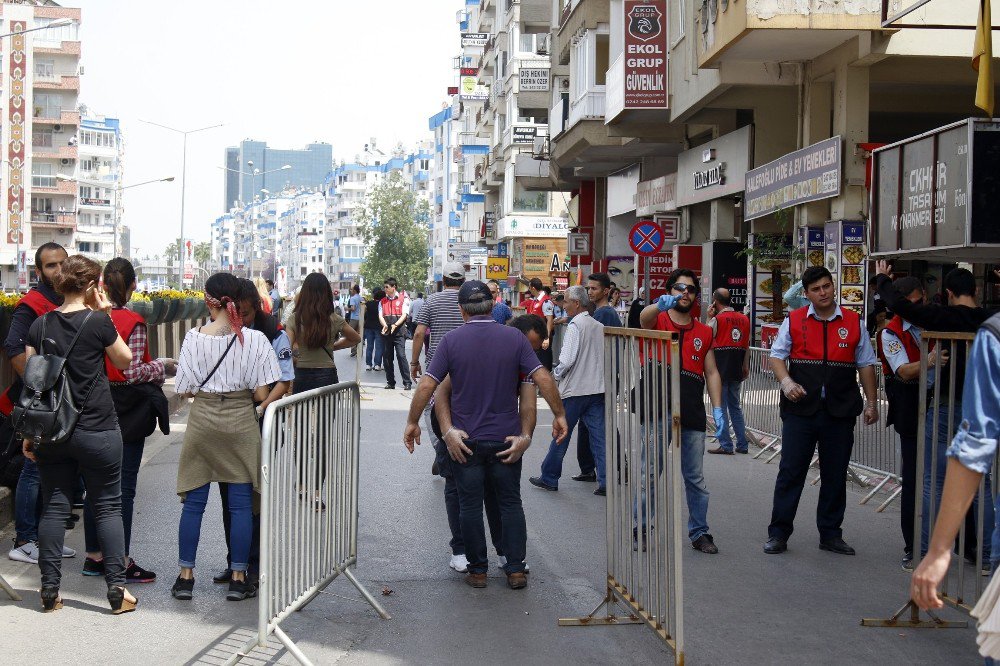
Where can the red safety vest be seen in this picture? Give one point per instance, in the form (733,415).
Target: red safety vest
(125,322)
(909,344)
(732,339)
(40,305)
(536,305)
(392,307)
(695,341)
(822,360)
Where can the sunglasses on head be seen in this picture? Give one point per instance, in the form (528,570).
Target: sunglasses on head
(689,288)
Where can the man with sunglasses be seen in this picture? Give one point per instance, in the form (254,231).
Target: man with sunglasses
(672,312)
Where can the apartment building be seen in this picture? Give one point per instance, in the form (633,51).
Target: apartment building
(41,82)
(99,209)
(308,168)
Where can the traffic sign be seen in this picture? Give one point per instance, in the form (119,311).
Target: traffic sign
(645,238)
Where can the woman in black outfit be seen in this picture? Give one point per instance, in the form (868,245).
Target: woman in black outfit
(95,447)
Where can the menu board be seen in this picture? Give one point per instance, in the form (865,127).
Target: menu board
(846,253)
(770,277)
(811,244)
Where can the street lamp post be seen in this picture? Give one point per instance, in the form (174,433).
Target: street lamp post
(180,243)
(253,173)
(58,23)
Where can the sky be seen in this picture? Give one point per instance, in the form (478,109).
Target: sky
(288,73)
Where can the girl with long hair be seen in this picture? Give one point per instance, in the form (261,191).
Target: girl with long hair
(224,367)
(82,330)
(139,404)
(316,331)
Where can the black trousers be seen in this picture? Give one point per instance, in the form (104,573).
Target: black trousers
(907,500)
(799,438)
(584,455)
(390,342)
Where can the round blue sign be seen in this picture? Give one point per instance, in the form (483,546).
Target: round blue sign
(646,238)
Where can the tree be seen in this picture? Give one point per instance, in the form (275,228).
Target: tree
(393,225)
(202,253)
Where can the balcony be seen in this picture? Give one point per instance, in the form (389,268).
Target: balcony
(780,31)
(64,48)
(44,116)
(53,220)
(68,83)
(45,184)
(578,17)
(54,152)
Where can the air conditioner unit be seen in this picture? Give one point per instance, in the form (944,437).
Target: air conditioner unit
(564,84)
(80,71)
(65,161)
(57,128)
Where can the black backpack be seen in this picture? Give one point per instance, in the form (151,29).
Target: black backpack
(45,412)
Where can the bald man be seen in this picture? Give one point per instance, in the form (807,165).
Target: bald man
(731,342)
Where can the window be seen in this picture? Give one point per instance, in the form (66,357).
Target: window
(47,106)
(66,33)
(88,164)
(95,138)
(41,137)
(41,204)
(45,68)
(526,201)
(86,192)
(83,246)
(42,175)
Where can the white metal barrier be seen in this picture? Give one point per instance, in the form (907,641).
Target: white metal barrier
(645,529)
(309,505)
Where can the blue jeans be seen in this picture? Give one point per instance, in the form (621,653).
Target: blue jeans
(985,536)
(692,469)
(240,495)
(373,345)
(27,504)
(731,405)
(470,478)
(131,459)
(590,410)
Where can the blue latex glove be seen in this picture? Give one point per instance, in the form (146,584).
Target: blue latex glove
(665,302)
(720,422)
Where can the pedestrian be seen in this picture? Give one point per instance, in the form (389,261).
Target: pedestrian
(354,307)
(39,300)
(580,376)
(827,349)
(81,331)
(392,312)
(373,332)
(899,352)
(971,454)
(263,292)
(338,307)
(225,368)
(540,304)
(488,436)
(599,291)
(672,312)
(139,405)
(730,342)
(559,316)
(502,314)
(961,314)
(275,297)
(416,305)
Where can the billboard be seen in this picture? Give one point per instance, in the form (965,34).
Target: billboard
(645,59)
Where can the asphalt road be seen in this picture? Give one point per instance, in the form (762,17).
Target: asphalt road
(741,606)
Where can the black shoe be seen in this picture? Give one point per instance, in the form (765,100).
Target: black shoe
(223,577)
(389,387)
(706,544)
(407,387)
(240,590)
(775,546)
(907,562)
(603,492)
(435,469)
(588,476)
(136,574)
(743,451)
(538,483)
(836,545)
(92,567)
(183,589)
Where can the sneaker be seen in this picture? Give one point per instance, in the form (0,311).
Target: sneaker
(136,574)
(407,387)
(68,552)
(240,590)
(368,368)
(705,544)
(459,563)
(907,562)
(92,567)
(183,589)
(503,562)
(223,577)
(27,552)
(389,387)
(378,368)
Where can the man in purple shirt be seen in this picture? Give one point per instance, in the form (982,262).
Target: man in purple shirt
(486,362)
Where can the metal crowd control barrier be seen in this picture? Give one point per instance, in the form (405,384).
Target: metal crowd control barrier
(9,590)
(940,412)
(309,505)
(645,529)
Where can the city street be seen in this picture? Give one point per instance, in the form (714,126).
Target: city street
(742,606)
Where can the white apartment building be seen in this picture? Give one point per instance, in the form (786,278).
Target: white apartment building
(40,192)
(99,211)
(302,230)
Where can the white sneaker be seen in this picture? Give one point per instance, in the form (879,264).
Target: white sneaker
(26,552)
(458,562)
(503,562)
(68,552)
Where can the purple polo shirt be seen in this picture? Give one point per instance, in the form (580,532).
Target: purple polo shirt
(486,362)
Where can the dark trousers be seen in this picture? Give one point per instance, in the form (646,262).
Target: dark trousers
(470,478)
(98,456)
(584,455)
(545,356)
(395,341)
(452,508)
(307,379)
(227,525)
(799,437)
(131,459)
(907,500)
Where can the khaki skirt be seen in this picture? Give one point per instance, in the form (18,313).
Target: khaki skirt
(222,442)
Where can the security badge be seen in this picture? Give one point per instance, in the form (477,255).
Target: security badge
(895,347)
(697,344)
(737,335)
(842,332)
(285,353)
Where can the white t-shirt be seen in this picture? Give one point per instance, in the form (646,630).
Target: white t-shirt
(245,366)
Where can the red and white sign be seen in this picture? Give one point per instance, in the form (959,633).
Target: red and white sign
(671,225)
(662,265)
(645,75)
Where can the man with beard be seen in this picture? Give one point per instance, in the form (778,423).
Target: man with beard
(672,312)
(40,300)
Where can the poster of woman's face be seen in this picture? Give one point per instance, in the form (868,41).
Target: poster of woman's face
(621,270)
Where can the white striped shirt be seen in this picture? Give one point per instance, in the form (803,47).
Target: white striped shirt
(440,313)
(245,366)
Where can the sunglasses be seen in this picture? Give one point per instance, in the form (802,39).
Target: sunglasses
(689,288)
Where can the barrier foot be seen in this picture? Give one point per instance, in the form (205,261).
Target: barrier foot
(914,622)
(896,493)
(292,647)
(765,449)
(243,651)
(610,618)
(851,474)
(367,595)
(874,490)
(11,592)
(777,452)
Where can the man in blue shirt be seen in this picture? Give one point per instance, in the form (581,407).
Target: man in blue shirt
(354,313)
(501,311)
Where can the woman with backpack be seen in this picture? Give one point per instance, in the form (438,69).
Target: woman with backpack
(139,404)
(82,332)
(224,367)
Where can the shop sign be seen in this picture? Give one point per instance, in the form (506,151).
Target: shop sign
(725,263)
(471,91)
(497,268)
(95,202)
(645,57)
(770,278)
(714,170)
(846,253)
(622,187)
(578,244)
(656,196)
(474,39)
(501,249)
(523,135)
(533,79)
(489,223)
(810,174)
(521,226)
(536,254)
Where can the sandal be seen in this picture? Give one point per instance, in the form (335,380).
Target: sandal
(51,601)
(119,602)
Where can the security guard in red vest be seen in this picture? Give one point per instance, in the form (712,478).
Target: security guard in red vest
(826,348)
(731,341)
(899,351)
